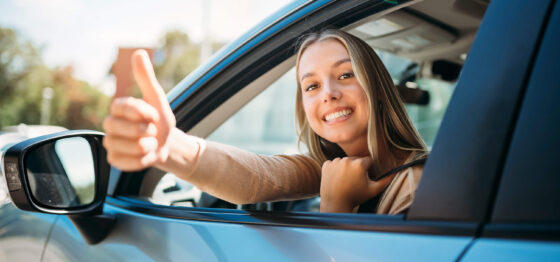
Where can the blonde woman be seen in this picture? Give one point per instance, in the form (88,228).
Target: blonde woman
(365,154)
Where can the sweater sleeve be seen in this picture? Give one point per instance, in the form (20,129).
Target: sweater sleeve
(241,177)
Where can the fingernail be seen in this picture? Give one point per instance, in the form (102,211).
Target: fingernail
(148,144)
(148,159)
(151,129)
(142,127)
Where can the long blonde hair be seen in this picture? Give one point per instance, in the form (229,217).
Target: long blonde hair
(388,125)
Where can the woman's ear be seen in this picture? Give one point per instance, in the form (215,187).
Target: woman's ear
(331,150)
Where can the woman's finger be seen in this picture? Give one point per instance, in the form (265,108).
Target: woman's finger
(131,147)
(115,126)
(366,162)
(133,109)
(375,187)
(130,163)
(144,75)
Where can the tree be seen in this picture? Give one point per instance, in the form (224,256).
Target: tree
(177,57)
(23,75)
(76,104)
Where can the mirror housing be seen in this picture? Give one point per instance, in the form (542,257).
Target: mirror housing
(21,183)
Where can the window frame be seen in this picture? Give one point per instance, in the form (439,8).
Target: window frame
(200,93)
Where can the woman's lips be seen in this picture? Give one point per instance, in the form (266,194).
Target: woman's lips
(337,115)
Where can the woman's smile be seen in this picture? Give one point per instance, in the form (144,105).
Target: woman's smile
(338,115)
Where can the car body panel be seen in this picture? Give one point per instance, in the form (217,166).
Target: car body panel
(525,222)
(165,239)
(531,166)
(513,250)
(23,235)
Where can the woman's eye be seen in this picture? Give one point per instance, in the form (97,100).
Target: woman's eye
(346,76)
(310,87)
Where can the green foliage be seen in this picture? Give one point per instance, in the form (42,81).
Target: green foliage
(75,104)
(17,59)
(23,76)
(178,57)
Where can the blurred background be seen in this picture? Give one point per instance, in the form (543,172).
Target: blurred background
(61,60)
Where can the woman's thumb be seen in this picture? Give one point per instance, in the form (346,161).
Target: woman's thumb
(144,74)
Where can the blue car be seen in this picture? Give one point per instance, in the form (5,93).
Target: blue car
(479,80)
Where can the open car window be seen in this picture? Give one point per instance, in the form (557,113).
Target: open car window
(250,103)
(266,125)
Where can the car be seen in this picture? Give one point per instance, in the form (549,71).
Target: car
(484,97)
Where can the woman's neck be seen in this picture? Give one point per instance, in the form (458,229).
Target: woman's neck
(356,148)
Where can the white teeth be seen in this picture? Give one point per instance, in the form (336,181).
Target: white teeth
(341,113)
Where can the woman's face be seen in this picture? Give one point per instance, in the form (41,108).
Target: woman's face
(334,102)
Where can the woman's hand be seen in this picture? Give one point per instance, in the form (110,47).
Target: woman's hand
(345,184)
(138,130)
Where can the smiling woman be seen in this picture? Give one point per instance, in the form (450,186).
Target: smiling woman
(334,103)
(339,107)
(347,99)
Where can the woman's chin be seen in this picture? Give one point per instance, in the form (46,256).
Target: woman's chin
(341,139)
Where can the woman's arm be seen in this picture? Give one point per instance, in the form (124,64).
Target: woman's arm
(240,176)
(141,133)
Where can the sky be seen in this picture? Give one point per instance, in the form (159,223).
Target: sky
(87,34)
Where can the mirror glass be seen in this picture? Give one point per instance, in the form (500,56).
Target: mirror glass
(61,173)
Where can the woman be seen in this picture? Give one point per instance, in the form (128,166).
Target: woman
(347,110)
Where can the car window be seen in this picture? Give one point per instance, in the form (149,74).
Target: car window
(266,125)
(427,118)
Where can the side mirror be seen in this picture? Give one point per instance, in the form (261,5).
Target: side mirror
(61,173)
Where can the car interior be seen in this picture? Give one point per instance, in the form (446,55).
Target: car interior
(423,45)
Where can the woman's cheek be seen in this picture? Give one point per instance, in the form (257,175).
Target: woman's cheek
(314,124)
(311,113)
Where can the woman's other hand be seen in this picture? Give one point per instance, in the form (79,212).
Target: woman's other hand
(138,130)
(345,184)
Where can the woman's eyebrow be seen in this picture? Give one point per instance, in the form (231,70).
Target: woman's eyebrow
(341,61)
(337,63)
(307,75)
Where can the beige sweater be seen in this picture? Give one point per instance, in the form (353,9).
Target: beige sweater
(239,176)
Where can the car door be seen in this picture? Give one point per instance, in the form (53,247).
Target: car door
(453,199)
(525,221)
(23,236)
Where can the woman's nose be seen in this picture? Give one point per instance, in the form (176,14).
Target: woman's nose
(330,92)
